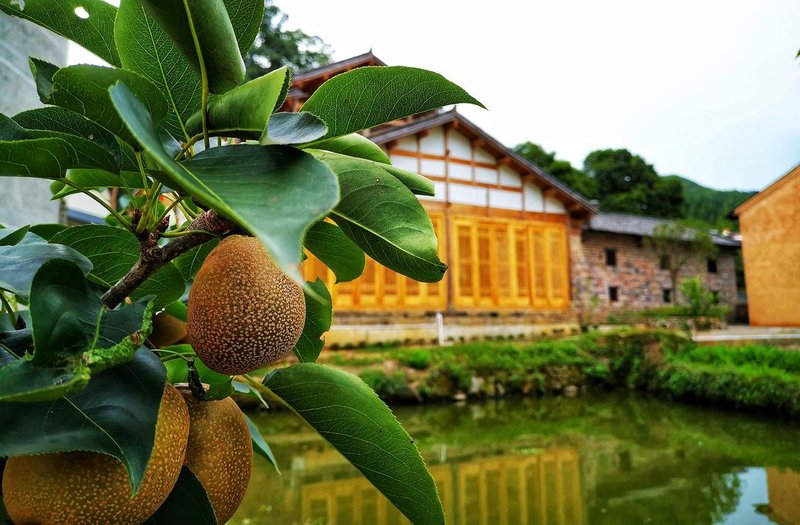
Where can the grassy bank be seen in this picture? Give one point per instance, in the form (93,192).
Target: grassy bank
(659,361)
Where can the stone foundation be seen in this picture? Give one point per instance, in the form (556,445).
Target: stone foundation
(379,328)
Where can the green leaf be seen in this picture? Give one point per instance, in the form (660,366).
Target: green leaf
(84,89)
(275,192)
(318,321)
(220,385)
(216,45)
(355,145)
(187,503)
(53,118)
(260,446)
(10,130)
(120,334)
(44,158)
(47,231)
(249,390)
(94,32)
(189,263)
(294,128)
(244,112)
(368,96)
(331,246)
(415,182)
(113,252)
(86,153)
(42,73)
(18,264)
(68,318)
(384,218)
(177,310)
(23,381)
(246,17)
(97,179)
(115,414)
(146,49)
(17,341)
(349,415)
(64,310)
(12,237)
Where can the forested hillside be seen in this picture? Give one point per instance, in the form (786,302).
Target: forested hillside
(709,205)
(620,181)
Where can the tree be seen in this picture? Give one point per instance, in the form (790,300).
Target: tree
(627,183)
(677,244)
(558,168)
(79,368)
(276,47)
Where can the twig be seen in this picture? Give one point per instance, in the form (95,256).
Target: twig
(195,384)
(152,257)
(9,310)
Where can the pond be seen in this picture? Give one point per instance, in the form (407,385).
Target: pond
(607,460)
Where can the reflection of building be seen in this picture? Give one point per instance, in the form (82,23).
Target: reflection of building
(513,489)
(783,487)
(771,247)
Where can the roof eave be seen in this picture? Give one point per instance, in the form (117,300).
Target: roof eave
(452,116)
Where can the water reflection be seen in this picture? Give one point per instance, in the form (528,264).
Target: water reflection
(784,496)
(614,460)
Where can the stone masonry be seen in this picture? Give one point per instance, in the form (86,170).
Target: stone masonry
(637,277)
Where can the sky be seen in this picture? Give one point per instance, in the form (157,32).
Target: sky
(706,89)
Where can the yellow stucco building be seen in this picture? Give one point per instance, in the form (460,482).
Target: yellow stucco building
(770,226)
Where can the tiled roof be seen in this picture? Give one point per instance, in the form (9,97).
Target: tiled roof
(335,67)
(626,224)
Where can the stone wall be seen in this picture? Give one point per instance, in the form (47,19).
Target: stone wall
(639,280)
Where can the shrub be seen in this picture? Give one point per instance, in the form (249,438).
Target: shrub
(387,386)
(418,358)
(700,298)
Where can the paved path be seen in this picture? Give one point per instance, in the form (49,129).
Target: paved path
(743,334)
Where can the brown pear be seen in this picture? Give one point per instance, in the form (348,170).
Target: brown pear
(87,488)
(220,452)
(244,312)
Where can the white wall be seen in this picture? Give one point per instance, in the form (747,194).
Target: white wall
(460,148)
(24,200)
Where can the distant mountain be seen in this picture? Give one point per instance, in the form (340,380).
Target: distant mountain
(708,205)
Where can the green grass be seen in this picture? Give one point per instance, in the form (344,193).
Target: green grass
(664,361)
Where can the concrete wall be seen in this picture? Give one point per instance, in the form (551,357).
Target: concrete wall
(637,275)
(771,250)
(25,201)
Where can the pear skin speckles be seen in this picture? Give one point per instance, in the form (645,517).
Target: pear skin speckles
(220,452)
(87,488)
(243,312)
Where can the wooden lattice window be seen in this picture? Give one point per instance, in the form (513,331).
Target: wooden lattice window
(484,263)
(504,262)
(523,257)
(539,266)
(464,234)
(368,283)
(557,267)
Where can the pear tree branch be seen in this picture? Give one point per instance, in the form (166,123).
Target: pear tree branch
(152,257)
